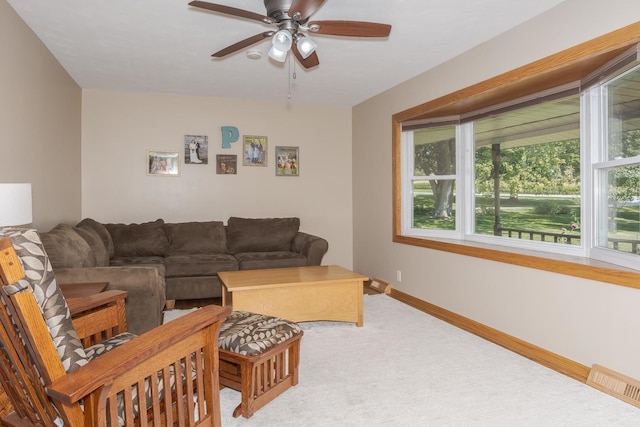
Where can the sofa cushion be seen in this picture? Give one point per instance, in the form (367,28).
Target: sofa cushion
(188,238)
(66,248)
(199,265)
(133,240)
(276,259)
(102,232)
(96,244)
(261,234)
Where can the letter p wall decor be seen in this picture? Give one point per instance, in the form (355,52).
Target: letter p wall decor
(229,134)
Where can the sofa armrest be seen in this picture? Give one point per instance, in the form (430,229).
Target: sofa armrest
(146,291)
(312,247)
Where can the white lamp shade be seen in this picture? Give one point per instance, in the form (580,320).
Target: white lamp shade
(306,46)
(277,54)
(15,204)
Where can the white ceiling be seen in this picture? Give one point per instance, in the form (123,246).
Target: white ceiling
(165,46)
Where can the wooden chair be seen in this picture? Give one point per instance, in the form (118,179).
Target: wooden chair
(88,371)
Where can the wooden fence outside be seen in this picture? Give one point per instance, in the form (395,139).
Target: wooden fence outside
(570,238)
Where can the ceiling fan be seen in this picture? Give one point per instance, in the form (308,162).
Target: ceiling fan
(292,19)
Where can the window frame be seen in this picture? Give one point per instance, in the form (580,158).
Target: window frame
(601,163)
(408,168)
(573,64)
(465,177)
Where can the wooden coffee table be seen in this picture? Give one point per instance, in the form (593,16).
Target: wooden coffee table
(298,294)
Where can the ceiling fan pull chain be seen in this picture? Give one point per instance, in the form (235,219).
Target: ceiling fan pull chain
(289,76)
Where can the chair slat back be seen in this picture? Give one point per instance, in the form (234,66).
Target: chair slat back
(19,378)
(50,301)
(33,360)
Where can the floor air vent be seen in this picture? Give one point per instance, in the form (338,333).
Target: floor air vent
(615,384)
(380,286)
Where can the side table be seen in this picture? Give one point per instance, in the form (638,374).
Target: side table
(76,294)
(81,290)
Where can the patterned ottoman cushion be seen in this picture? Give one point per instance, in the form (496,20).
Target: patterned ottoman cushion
(251,334)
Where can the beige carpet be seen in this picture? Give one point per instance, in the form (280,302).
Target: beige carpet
(405,368)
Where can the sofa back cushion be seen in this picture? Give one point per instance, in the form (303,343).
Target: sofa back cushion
(66,248)
(134,240)
(189,238)
(102,231)
(96,244)
(261,234)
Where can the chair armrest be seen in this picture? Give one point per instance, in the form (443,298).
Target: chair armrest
(131,362)
(312,247)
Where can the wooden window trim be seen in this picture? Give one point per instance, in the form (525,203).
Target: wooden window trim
(570,65)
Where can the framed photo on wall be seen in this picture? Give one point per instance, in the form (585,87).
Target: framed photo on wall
(163,163)
(254,150)
(287,161)
(196,149)
(226,164)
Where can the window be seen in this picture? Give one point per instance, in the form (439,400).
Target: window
(617,170)
(432,178)
(523,178)
(521,174)
(527,173)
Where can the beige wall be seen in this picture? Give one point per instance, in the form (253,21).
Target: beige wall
(39,123)
(586,321)
(119,128)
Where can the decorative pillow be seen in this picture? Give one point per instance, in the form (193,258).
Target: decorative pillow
(188,238)
(102,232)
(66,248)
(261,235)
(96,244)
(39,275)
(134,240)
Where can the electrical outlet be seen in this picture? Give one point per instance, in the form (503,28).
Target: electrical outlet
(399,275)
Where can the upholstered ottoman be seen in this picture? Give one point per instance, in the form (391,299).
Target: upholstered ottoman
(259,357)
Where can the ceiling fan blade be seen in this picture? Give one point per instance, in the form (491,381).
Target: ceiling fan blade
(232,11)
(304,9)
(311,61)
(350,28)
(242,44)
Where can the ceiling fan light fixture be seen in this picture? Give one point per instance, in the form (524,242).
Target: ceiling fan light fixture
(277,54)
(306,46)
(282,40)
(291,17)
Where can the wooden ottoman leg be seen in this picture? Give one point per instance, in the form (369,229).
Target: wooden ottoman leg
(245,408)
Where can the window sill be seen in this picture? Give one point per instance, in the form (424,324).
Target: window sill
(584,268)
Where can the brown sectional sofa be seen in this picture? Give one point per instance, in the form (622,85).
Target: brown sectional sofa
(157,261)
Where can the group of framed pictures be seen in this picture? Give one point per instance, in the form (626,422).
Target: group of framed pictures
(196,152)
